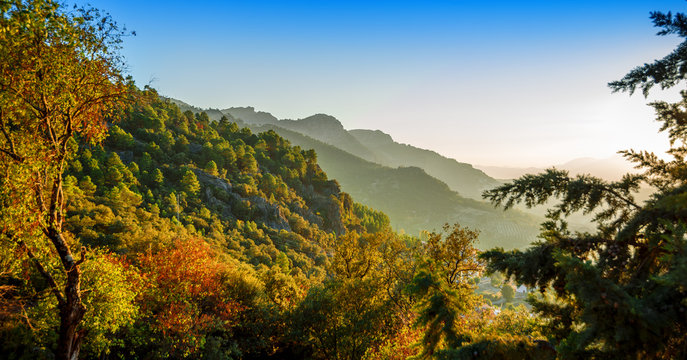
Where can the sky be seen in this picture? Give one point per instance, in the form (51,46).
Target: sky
(501,83)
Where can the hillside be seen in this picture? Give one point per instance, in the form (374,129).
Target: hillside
(165,173)
(460,177)
(414,200)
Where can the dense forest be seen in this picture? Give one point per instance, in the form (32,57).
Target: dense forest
(130,229)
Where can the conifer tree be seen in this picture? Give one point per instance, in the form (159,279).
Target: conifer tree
(619,292)
(190,183)
(158,177)
(211,168)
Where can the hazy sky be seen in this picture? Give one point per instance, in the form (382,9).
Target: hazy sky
(518,83)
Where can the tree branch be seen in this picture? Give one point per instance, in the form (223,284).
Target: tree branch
(44,273)
(12,151)
(622,198)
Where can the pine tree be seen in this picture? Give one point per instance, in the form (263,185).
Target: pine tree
(158,177)
(211,168)
(620,292)
(190,183)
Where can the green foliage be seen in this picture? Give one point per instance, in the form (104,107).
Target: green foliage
(444,290)
(62,79)
(189,183)
(439,310)
(508,292)
(109,287)
(453,256)
(666,72)
(211,168)
(158,177)
(355,309)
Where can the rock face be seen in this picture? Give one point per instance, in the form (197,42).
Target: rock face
(271,215)
(221,194)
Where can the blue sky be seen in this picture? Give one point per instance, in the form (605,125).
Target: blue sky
(490,83)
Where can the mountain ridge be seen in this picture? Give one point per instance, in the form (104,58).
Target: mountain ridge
(461,177)
(413,199)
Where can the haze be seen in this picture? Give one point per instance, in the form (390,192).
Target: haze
(489,83)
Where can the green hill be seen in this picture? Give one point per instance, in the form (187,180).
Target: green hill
(255,195)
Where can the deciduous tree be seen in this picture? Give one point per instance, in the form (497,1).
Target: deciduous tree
(60,75)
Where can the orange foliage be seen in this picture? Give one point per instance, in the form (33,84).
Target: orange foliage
(188,294)
(401,346)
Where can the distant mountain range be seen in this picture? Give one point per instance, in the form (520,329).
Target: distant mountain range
(611,168)
(378,147)
(419,189)
(414,200)
(405,182)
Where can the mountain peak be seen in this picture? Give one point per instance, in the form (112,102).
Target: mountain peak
(322,120)
(250,116)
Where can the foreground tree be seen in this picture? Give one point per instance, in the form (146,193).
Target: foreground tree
(444,290)
(59,78)
(354,309)
(620,292)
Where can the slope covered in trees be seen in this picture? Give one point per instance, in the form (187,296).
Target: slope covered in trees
(130,229)
(163,179)
(203,240)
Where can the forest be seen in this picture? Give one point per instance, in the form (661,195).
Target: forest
(130,229)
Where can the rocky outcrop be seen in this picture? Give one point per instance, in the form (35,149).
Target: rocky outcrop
(219,194)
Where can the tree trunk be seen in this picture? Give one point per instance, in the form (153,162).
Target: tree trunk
(69,342)
(71,309)
(71,314)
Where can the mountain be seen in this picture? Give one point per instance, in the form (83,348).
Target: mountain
(322,127)
(414,200)
(460,177)
(329,130)
(406,183)
(378,147)
(250,116)
(196,177)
